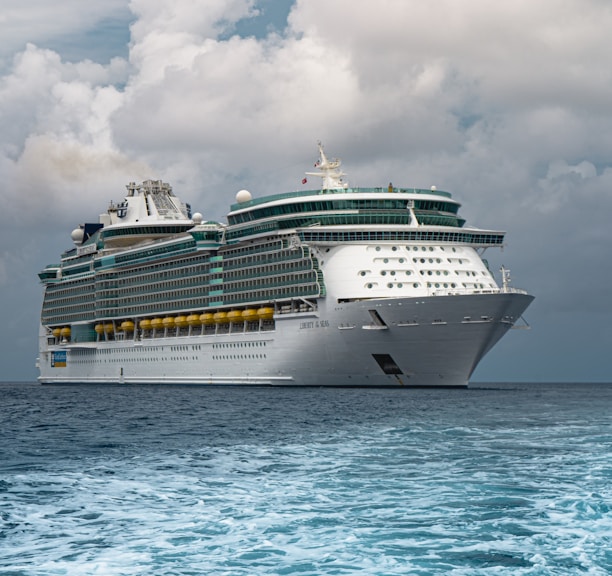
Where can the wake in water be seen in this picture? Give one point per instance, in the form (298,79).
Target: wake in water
(514,480)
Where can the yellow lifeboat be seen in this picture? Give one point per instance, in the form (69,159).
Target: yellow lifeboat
(250,314)
(194,320)
(57,332)
(108,328)
(127,326)
(65,332)
(221,318)
(265,313)
(181,321)
(234,316)
(145,324)
(207,318)
(99,328)
(168,322)
(157,323)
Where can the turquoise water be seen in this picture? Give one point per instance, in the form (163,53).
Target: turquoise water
(499,479)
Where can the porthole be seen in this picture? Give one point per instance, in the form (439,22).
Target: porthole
(386,260)
(362,273)
(392,272)
(368,285)
(377,248)
(383,273)
(400,285)
(389,285)
(394,248)
(415,285)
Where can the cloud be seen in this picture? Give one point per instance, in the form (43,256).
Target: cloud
(56,132)
(507,105)
(42,22)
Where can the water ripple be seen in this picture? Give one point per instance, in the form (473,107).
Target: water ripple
(145,481)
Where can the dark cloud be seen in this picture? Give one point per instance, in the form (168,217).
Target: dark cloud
(505,105)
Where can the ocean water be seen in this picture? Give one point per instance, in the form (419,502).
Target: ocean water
(497,479)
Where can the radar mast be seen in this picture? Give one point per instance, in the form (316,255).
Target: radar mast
(329,171)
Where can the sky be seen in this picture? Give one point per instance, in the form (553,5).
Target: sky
(508,105)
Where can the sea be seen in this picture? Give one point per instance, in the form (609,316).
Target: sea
(512,479)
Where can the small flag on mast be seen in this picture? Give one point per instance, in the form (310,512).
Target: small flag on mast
(304,180)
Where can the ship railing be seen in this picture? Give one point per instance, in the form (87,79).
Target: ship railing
(456,291)
(509,290)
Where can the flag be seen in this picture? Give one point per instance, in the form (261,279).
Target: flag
(304,180)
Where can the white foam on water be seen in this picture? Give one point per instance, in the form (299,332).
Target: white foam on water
(377,504)
(457,495)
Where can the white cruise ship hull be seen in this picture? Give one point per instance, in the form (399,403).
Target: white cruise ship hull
(424,341)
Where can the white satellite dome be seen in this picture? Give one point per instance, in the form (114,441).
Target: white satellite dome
(197,218)
(77,235)
(243,196)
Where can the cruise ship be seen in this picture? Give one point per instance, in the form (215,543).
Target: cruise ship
(332,286)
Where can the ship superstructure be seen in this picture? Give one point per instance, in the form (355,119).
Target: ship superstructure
(334,286)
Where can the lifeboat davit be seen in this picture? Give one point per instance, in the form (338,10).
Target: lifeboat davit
(127,326)
(265,313)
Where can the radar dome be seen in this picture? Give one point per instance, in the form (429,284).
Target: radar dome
(197,218)
(77,235)
(243,196)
